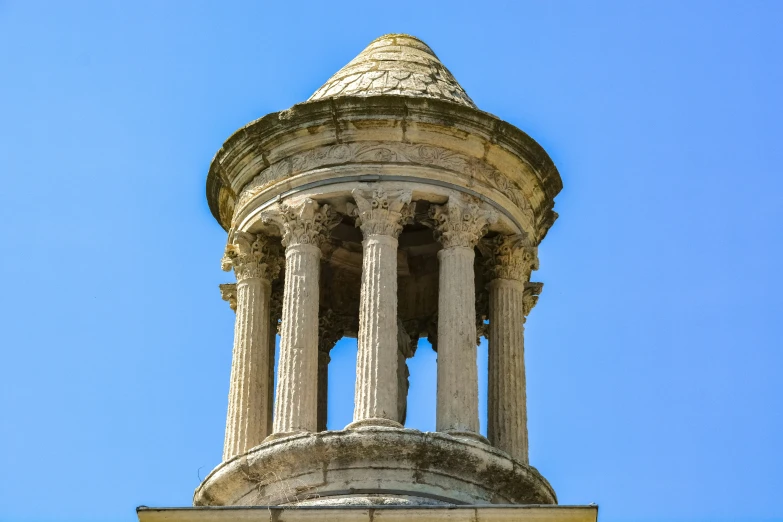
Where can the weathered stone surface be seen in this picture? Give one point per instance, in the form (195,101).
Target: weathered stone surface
(254,263)
(228,292)
(509,262)
(380,214)
(303,228)
(405,350)
(410,466)
(373,512)
(381,187)
(507,406)
(414,137)
(396,64)
(459,226)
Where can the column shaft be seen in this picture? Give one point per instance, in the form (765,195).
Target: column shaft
(457,403)
(405,350)
(402,387)
(323,388)
(297,392)
(507,408)
(270,399)
(246,422)
(376,366)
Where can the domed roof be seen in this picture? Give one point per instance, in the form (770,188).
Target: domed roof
(396,64)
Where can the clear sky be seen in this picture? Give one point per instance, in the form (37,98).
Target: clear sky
(654,356)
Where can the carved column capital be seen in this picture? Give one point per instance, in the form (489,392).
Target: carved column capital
(331,328)
(228,291)
(251,256)
(530,297)
(510,257)
(381,212)
(461,222)
(482,314)
(306,223)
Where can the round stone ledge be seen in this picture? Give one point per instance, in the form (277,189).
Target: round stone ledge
(373,465)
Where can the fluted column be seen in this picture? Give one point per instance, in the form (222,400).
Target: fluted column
(380,215)
(247,404)
(405,350)
(276,311)
(459,225)
(303,228)
(510,300)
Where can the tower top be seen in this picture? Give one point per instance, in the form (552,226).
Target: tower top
(395,64)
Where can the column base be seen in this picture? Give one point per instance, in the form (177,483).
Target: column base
(373,423)
(470,435)
(284,434)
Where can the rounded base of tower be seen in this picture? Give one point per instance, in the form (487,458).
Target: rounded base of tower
(373,466)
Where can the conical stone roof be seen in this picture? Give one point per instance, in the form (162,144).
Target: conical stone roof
(395,64)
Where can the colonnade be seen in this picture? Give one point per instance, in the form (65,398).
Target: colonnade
(459,225)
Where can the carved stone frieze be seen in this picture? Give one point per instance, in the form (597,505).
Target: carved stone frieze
(228,292)
(509,257)
(461,222)
(391,152)
(306,223)
(381,212)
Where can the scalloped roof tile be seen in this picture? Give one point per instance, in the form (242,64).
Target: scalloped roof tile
(396,64)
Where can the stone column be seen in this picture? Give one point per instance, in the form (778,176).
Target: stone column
(380,215)
(304,228)
(459,225)
(405,350)
(276,311)
(510,300)
(247,403)
(324,358)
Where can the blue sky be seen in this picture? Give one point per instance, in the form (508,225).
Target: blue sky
(654,354)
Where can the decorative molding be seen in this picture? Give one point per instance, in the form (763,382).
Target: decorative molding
(461,222)
(373,152)
(381,212)
(306,223)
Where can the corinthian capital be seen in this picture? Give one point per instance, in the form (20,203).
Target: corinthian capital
(228,291)
(530,297)
(250,256)
(306,223)
(461,222)
(381,212)
(510,257)
(331,328)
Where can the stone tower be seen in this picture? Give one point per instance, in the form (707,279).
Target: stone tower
(387,207)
